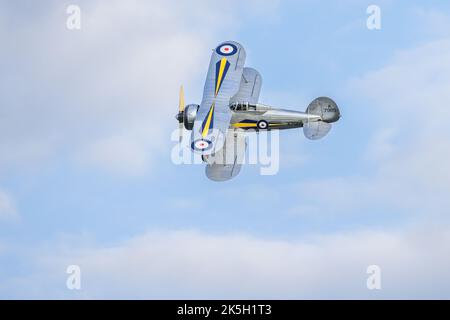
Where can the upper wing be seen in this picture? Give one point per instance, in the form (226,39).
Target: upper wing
(222,83)
(249,88)
(226,163)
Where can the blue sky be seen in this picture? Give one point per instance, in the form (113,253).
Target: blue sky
(86,176)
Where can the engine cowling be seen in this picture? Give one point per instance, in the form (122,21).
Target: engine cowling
(189,115)
(326,108)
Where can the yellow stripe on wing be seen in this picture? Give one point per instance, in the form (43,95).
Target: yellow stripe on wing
(223,63)
(208,121)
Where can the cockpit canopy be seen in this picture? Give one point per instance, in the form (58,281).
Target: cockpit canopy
(242,106)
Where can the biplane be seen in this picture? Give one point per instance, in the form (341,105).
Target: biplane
(230,108)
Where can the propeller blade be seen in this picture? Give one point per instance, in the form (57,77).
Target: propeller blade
(181,102)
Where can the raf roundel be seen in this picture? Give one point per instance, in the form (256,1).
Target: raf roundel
(201,145)
(226,49)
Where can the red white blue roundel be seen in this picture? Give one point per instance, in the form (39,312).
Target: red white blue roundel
(226,49)
(201,145)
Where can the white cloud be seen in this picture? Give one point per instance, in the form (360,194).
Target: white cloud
(117,76)
(411,93)
(433,23)
(187,264)
(126,154)
(105,95)
(8,210)
(406,165)
(413,86)
(381,146)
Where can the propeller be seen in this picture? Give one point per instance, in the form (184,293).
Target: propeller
(180,114)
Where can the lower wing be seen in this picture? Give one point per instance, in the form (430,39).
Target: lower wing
(226,163)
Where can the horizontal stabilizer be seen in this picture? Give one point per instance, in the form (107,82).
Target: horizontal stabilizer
(316,130)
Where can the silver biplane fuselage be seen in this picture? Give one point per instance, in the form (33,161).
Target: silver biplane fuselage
(263,117)
(230,107)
